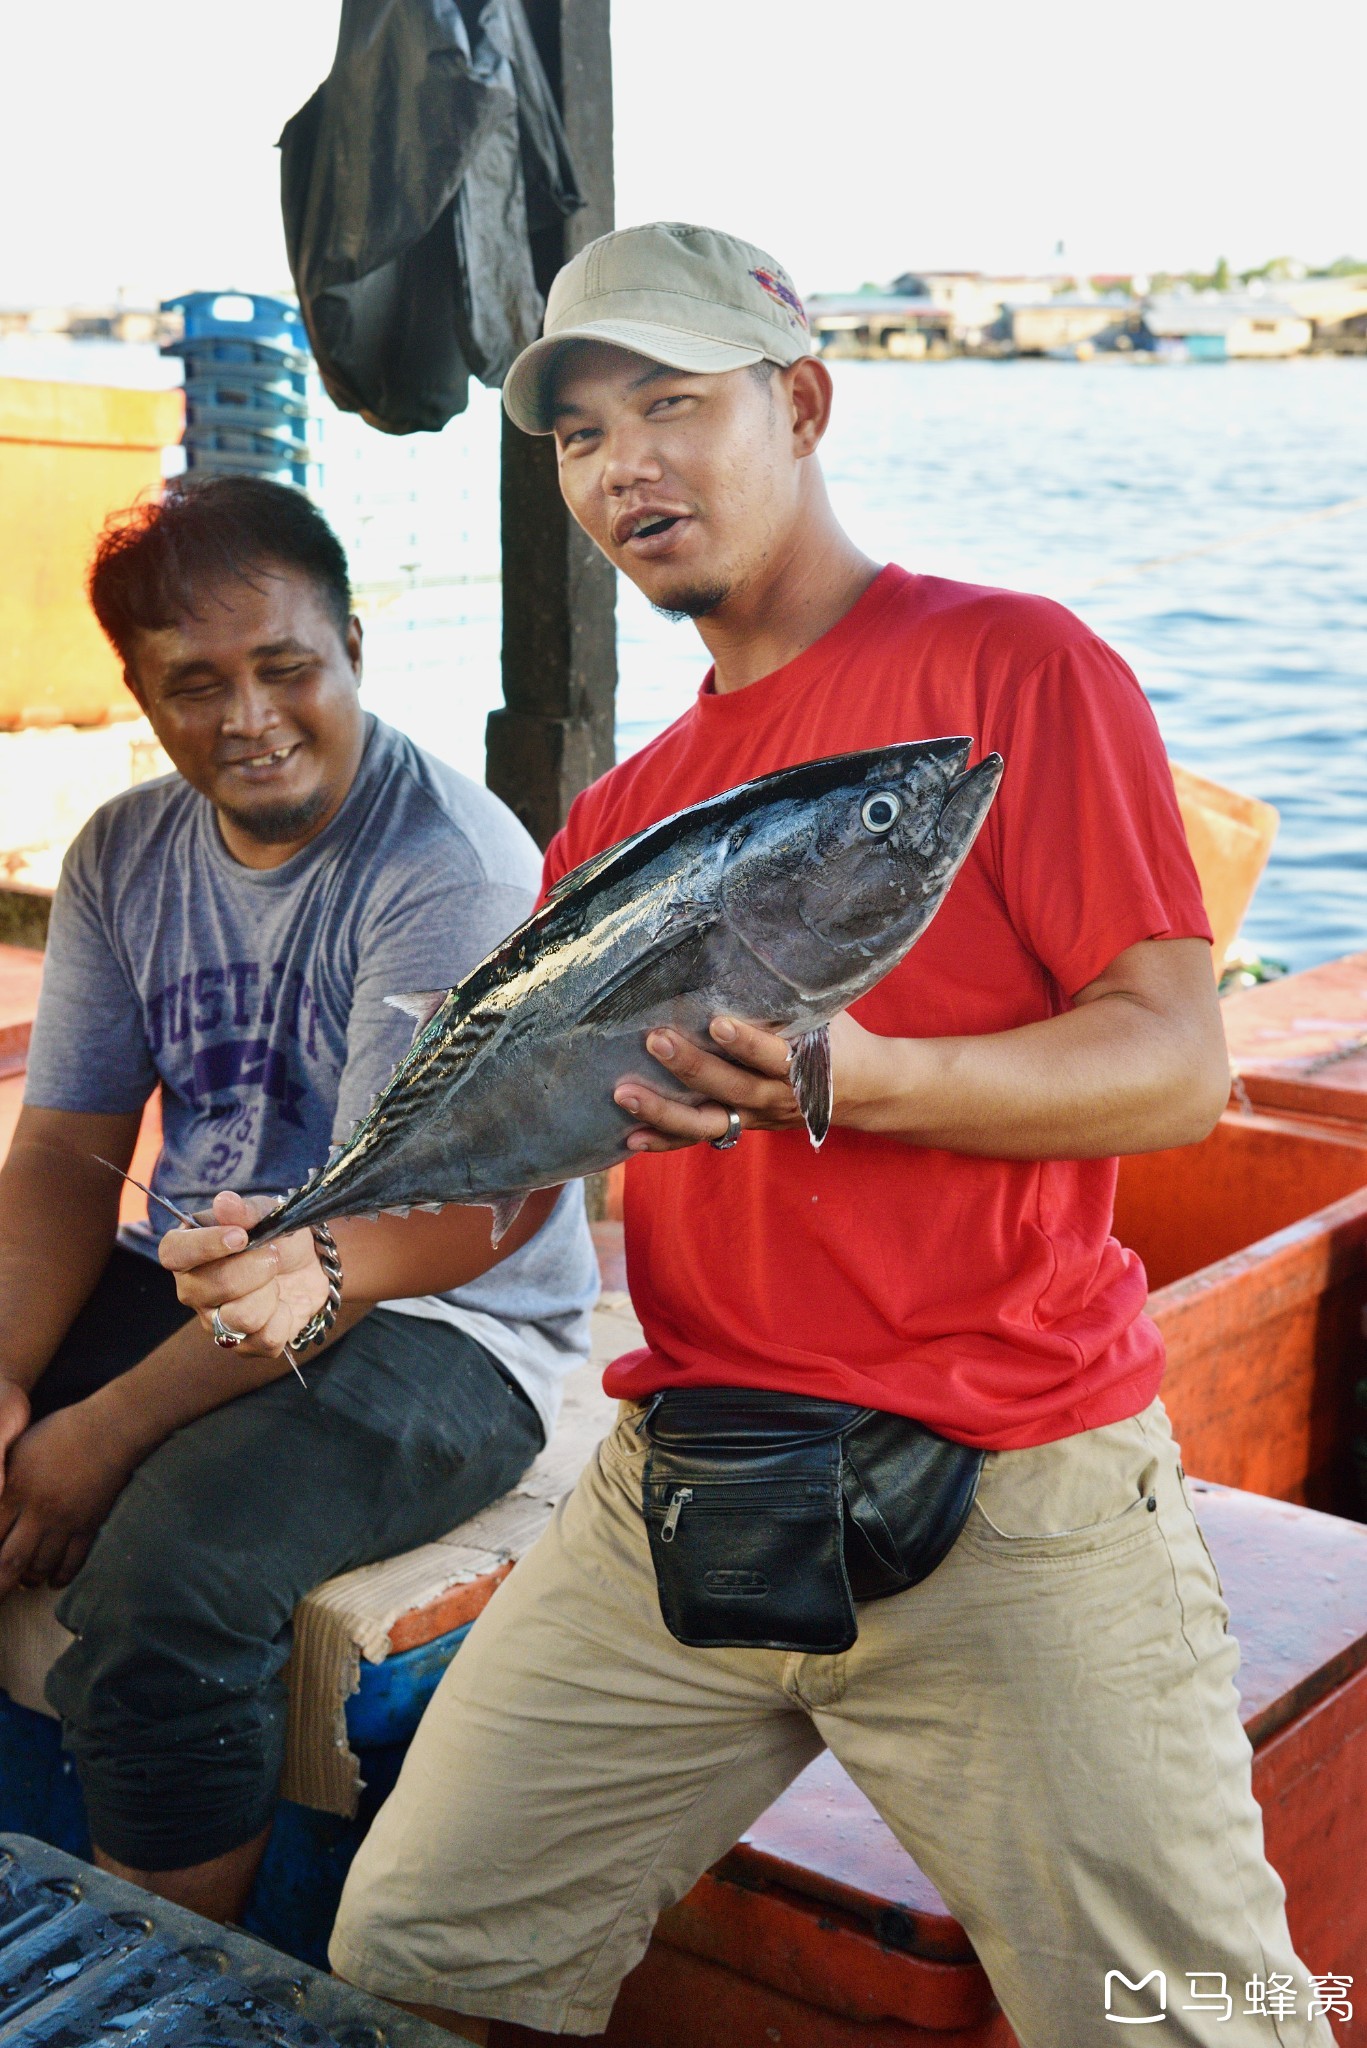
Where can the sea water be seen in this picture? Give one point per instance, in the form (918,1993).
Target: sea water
(1209,520)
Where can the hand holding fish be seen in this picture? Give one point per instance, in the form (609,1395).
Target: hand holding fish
(751,1075)
(1135,1064)
(267,1292)
(218,1267)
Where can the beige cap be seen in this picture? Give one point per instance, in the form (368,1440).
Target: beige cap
(690,297)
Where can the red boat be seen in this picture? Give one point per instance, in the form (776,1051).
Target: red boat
(818,1928)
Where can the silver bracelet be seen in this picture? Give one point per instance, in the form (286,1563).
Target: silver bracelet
(319,1326)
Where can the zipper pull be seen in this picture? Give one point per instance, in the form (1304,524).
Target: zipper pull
(676,1508)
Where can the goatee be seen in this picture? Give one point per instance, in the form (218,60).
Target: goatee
(693,604)
(278,824)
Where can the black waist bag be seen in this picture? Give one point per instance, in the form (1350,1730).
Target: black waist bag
(769,1515)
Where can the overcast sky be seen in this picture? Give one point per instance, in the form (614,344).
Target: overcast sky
(136,136)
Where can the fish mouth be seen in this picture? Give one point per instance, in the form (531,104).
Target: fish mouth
(968,796)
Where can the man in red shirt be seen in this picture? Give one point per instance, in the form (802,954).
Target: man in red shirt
(1049,1720)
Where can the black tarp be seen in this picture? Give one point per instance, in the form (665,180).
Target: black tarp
(411,185)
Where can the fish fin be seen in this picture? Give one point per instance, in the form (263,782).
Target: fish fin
(506,1210)
(809,1070)
(422,1007)
(587,869)
(665,973)
(628,855)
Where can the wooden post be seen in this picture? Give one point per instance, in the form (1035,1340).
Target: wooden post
(554,734)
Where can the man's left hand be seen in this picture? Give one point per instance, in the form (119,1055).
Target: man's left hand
(752,1078)
(64,1475)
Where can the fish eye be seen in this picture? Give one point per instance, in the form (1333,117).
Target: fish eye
(881,811)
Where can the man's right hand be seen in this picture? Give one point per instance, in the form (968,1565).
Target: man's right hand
(266,1292)
(65,1474)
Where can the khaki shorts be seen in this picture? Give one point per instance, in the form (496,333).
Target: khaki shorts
(1048,1723)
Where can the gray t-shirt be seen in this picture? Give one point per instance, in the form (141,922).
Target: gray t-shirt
(257,998)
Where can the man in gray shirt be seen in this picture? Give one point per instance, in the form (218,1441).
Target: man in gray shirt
(233,933)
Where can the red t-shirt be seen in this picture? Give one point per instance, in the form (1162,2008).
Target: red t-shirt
(985,1297)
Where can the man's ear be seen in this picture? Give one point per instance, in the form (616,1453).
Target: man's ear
(809,388)
(355,633)
(134,687)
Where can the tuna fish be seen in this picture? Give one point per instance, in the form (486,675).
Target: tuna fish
(779,902)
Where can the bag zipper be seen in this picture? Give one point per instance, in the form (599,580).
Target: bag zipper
(682,1495)
(723,1497)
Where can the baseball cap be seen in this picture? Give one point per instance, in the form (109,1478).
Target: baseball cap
(688,296)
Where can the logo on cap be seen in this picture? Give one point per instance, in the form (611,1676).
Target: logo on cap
(780,290)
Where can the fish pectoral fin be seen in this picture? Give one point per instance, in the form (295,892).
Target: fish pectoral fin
(506,1210)
(422,1007)
(664,974)
(809,1071)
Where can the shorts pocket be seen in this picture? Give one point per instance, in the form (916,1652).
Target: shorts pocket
(1131,1525)
(1083,1497)
(624,1448)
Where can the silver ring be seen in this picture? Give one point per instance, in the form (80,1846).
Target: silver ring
(732,1136)
(225,1338)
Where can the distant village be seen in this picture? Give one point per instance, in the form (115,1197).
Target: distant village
(1282,309)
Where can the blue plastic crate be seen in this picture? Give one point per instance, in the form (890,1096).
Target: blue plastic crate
(280,397)
(211,356)
(229,431)
(247,386)
(392,1696)
(251,315)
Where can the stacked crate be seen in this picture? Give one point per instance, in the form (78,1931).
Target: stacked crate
(249,384)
